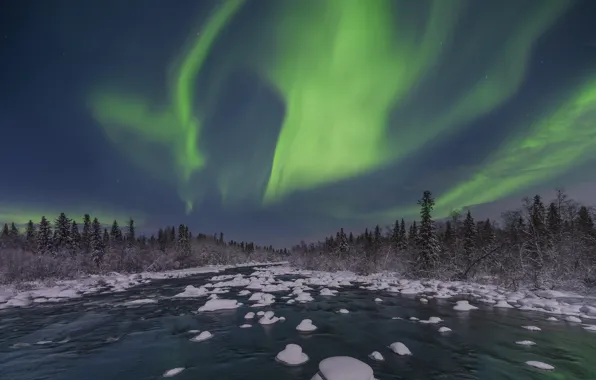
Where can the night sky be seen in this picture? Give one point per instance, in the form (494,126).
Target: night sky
(281,120)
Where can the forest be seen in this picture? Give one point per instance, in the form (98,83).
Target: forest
(542,244)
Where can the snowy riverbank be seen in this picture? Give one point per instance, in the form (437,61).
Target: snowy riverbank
(30,293)
(264,281)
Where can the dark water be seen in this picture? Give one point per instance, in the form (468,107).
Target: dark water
(102,340)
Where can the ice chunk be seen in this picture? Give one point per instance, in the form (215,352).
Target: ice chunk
(532,328)
(343,368)
(444,329)
(245,326)
(190,292)
(423,300)
(143,301)
(400,348)
(525,343)
(202,337)
(552,319)
(503,304)
(571,318)
(327,292)
(376,355)
(464,306)
(173,372)
(304,297)
(219,304)
(343,311)
(249,315)
(292,355)
(306,326)
(540,365)
(378,300)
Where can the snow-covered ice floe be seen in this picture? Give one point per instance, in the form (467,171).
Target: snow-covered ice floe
(376,355)
(173,372)
(292,355)
(202,337)
(343,368)
(540,365)
(400,349)
(220,304)
(306,326)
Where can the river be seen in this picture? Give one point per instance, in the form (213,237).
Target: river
(100,337)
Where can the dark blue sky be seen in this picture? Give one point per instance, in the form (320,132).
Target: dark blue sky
(57,156)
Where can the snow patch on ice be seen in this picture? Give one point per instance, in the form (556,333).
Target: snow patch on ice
(292,355)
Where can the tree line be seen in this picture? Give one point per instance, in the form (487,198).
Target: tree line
(64,249)
(546,245)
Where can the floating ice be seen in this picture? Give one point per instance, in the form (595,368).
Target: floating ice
(173,372)
(245,326)
(268,318)
(304,297)
(540,365)
(327,292)
(432,320)
(400,348)
(444,329)
(190,292)
(143,301)
(292,355)
(532,328)
(202,337)
(249,315)
(343,311)
(464,306)
(573,319)
(552,319)
(423,300)
(503,304)
(306,326)
(220,304)
(378,300)
(525,343)
(343,368)
(376,355)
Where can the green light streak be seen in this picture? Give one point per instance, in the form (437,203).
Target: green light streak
(342,67)
(175,127)
(553,145)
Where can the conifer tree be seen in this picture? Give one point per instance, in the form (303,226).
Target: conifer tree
(5,231)
(469,238)
(96,242)
(448,236)
(183,243)
(86,234)
(115,233)
(14,231)
(343,244)
(403,237)
(30,231)
(429,247)
(395,236)
(62,232)
(106,237)
(75,238)
(413,235)
(585,223)
(44,237)
(131,233)
(554,221)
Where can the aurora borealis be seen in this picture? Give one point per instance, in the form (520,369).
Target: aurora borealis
(285,119)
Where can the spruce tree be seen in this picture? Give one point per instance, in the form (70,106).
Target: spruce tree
(106,237)
(131,234)
(5,231)
(448,236)
(115,233)
(96,242)
(413,235)
(86,234)
(469,238)
(403,243)
(14,231)
(395,237)
(343,244)
(44,237)
(75,238)
(584,222)
(553,219)
(183,243)
(62,232)
(429,247)
(30,231)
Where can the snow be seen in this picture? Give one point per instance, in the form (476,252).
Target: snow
(143,301)
(532,328)
(304,297)
(540,365)
(552,319)
(503,304)
(268,318)
(444,329)
(292,355)
(245,326)
(343,311)
(376,355)
(590,327)
(400,348)
(463,306)
(431,320)
(173,372)
(220,304)
(306,326)
(378,300)
(343,368)
(573,319)
(202,337)
(525,343)
(249,315)
(61,290)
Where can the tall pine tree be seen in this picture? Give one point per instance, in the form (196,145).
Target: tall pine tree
(429,247)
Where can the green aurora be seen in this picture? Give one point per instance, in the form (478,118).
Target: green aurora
(359,81)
